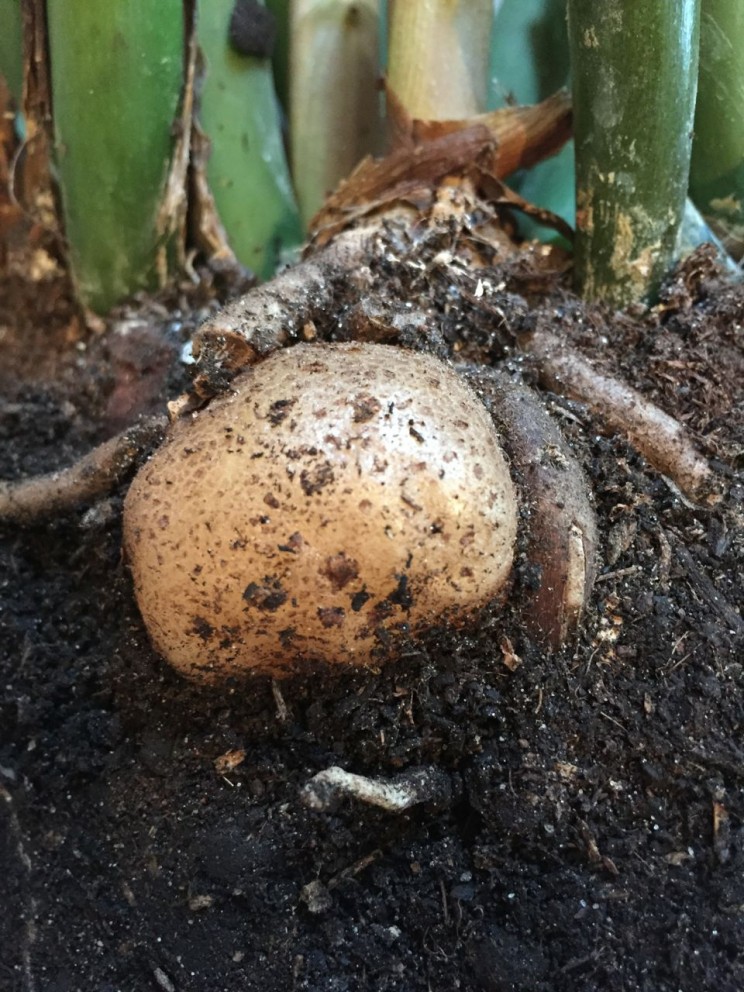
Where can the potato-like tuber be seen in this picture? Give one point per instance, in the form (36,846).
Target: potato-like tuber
(340,498)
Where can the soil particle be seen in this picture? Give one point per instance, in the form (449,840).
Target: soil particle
(314,480)
(340,569)
(279,410)
(266,595)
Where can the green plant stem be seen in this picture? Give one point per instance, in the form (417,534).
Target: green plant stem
(247,169)
(280,58)
(439,55)
(717,170)
(11,47)
(634,68)
(117,73)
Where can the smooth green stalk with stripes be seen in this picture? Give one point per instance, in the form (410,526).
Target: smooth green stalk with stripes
(634,76)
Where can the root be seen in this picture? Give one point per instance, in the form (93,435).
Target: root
(29,906)
(420,785)
(562,530)
(662,440)
(275,313)
(95,474)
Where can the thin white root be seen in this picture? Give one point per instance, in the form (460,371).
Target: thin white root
(29,500)
(663,441)
(420,785)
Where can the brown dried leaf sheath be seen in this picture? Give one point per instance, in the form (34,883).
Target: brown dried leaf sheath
(488,148)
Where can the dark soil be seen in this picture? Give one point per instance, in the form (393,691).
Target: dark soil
(597,841)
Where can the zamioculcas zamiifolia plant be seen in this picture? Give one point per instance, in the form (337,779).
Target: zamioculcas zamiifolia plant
(146,134)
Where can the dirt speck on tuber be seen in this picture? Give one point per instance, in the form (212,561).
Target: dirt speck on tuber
(339,500)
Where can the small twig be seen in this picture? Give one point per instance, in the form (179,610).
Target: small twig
(420,785)
(353,870)
(661,439)
(282,711)
(618,573)
(665,559)
(95,474)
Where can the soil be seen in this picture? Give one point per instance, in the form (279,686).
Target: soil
(152,833)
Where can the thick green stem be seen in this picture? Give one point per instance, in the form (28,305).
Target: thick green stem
(117,74)
(439,55)
(634,67)
(247,169)
(717,171)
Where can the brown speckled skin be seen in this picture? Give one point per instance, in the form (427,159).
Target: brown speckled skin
(339,496)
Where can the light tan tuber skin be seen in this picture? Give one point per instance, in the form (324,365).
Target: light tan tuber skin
(341,498)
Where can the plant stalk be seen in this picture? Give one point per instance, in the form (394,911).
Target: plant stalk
(717,170)
(11,47)
(280,58)
(634,70)
(117,73)
(246,169)
(335,102)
